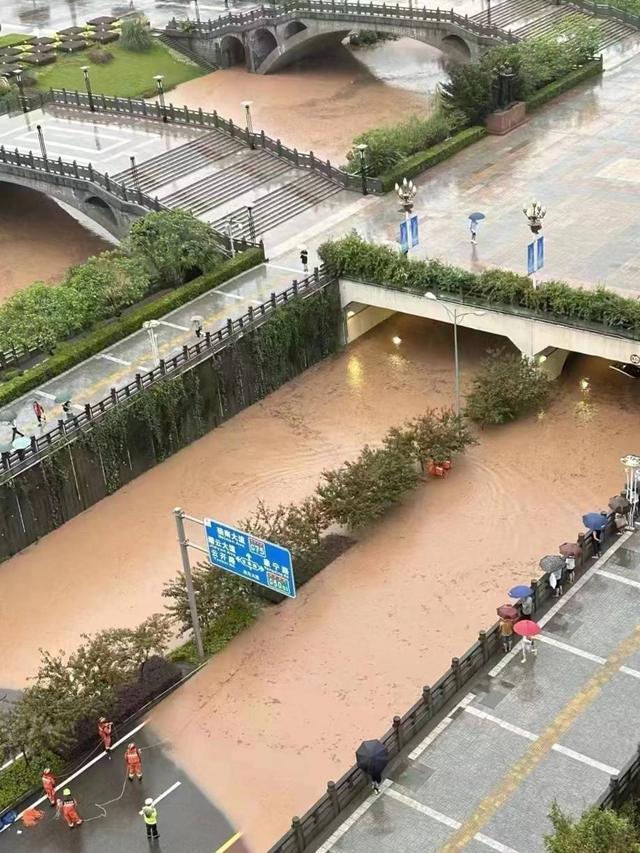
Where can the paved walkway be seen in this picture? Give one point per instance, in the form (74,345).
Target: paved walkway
(553,728)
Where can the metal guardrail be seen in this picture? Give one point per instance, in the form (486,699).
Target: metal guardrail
(170,113)
(12,462)
(343,793)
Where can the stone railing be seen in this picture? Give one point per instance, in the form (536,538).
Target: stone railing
(606,10)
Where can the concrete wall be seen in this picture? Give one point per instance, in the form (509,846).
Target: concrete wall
(531,336)
(364,320)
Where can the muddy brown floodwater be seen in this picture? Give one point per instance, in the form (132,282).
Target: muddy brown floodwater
(281,709)
(39,241)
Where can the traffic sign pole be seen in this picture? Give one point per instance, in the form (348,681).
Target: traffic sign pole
(186,568)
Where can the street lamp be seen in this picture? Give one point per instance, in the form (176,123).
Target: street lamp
(134,173)
(406,192)
(455,318)
(43,149)
(197,11)
(160,87)
(252,227)
(150,326)
(248,122)
(631,464)
(20,83)
(488,13)
(362,151)
(231,224)
(535,213)
(87,83)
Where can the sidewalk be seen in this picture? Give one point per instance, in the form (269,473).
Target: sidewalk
(556,727)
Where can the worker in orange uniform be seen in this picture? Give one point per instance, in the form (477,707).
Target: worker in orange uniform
(69,809)
(105,729)
(133,760)
(49,785)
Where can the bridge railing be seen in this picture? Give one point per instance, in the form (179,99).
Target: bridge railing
(336,10)
(172,114)
(12,462)
(606,10)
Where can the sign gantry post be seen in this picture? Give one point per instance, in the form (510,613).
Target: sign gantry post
(186,568)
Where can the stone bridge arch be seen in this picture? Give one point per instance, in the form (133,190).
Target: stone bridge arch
(231,51)
(292,28)
(263,43)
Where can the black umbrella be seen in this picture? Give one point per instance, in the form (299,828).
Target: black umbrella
(372,757)
(552,563)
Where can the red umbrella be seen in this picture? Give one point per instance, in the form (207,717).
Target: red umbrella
(526,628)
(570,549)
(508,611)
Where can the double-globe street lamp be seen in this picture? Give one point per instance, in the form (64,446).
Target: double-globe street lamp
(248,122)
(406,192)
(455,317)
(535,213)
(160,90)
(362,153)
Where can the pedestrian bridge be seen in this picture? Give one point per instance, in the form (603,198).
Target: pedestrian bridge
(267,39)
(537,336)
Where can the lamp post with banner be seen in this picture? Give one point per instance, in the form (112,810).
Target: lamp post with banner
(631,464)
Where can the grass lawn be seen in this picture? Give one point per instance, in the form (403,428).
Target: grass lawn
(13,38)
(128,75)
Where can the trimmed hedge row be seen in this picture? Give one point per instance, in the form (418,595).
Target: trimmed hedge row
(68,355)
(560,86)
(423,160)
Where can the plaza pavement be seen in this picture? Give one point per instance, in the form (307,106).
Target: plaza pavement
(556,727)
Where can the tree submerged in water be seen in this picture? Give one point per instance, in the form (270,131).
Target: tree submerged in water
(507,386)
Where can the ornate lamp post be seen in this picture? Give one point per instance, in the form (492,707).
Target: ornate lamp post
(631,464)
(406,192)
(150,326)
(160,88)
(23,102)
(248,121)
(197,11)
(87,83)
(43,148)
(362,151)
(535,213)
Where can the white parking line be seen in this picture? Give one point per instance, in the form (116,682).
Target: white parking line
(173,325)
(110,357)
(230,295)
(516,730)
(584,759)
(288,269)
(619,578)
(442,725)
(45,394)
(628,671)
(550,641)
(166,793)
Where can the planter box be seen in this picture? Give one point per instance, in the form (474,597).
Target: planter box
(104,36)
(73,46)
(40,58)
(503,121)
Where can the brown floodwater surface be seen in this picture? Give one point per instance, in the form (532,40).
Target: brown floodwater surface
(280,711)
(39,241)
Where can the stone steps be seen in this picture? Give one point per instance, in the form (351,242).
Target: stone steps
(180,46)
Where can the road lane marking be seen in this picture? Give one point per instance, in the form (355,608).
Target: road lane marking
(353,818)
(173,325)
(115,358)
(229,843)
(45,394)
(509,727)
(628,671)
(442,725)
(550,641)
(166,793)
(619,578)
(584,759)
(289,269)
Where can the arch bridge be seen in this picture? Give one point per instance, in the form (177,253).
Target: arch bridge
(267,39)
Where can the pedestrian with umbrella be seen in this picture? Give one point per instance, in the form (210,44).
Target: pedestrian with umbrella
(596,522)
(508,615)
(527,629)
(474,218)
(525,596)
(620,506)
(554,566)
(372,757)
(571,551)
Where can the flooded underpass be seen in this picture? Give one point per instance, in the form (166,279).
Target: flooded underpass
(364,635)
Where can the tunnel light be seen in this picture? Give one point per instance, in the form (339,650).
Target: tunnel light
(396,340)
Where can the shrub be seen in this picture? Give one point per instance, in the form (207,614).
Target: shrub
(469,90)
(507,386)
(106,284)
(100,56)
(136,35)
(434,436)
(20,778)
(597,831)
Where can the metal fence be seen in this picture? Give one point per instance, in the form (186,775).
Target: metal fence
(184,116)
(342,794)
(12,462)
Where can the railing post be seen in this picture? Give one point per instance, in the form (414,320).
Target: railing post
(107,182)
(274,300)
(200,115)
(75,169)
(90,168)
(87,411)
(614,791)
(296,157)
(163,366)
(427,700)
(114,395)
(316,274)
(139,381)
(64,96)
(312,160)
(229,326)
(333,796)
(279,147)
(397,730)
(455,666)
(534,595)
(298,833)
(484,644)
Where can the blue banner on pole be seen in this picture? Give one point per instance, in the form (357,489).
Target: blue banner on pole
(540,253)
(415,235)
(254,559)
(404,236)
(531,259)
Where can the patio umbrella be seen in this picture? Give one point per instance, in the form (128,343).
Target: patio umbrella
(62,397)
(520,591)
(21,442)
(526,628)
(552,563)
(595,520)
(476,217)
(570,549)
(508,611)
(372,757)
(619,503)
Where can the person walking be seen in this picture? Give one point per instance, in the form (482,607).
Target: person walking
(133,760)
(150,816)
(39,412)
(69,808)
(49,786)
(473,228)
(528,647)
(304,260)
(596,536)
(526,607)
(66,408)
(556,582)
(506,634)
(105,731)
(571,569)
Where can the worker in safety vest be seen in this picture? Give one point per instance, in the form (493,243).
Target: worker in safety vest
(150,815)
(69,808)
(133,760)
(49,785)
(105,729)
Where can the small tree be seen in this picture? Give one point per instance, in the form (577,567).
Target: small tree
(136,35)
(297,527)
(174,245)
(433,436)
(359,492)
(38,317)
(597,831)
(106,284)
(469,90)
(507,386)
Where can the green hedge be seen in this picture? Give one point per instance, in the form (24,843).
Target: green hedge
(542,96)
(423,160)
(20,778)
(67,355)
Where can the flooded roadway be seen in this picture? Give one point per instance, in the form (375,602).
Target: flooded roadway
(281,709)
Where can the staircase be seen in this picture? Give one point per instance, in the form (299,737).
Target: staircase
(529,19)
(180,46)
(276,207)
(180,161)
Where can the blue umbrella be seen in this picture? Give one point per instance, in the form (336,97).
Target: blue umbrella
(595,520)
(476,217)
(520,591)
